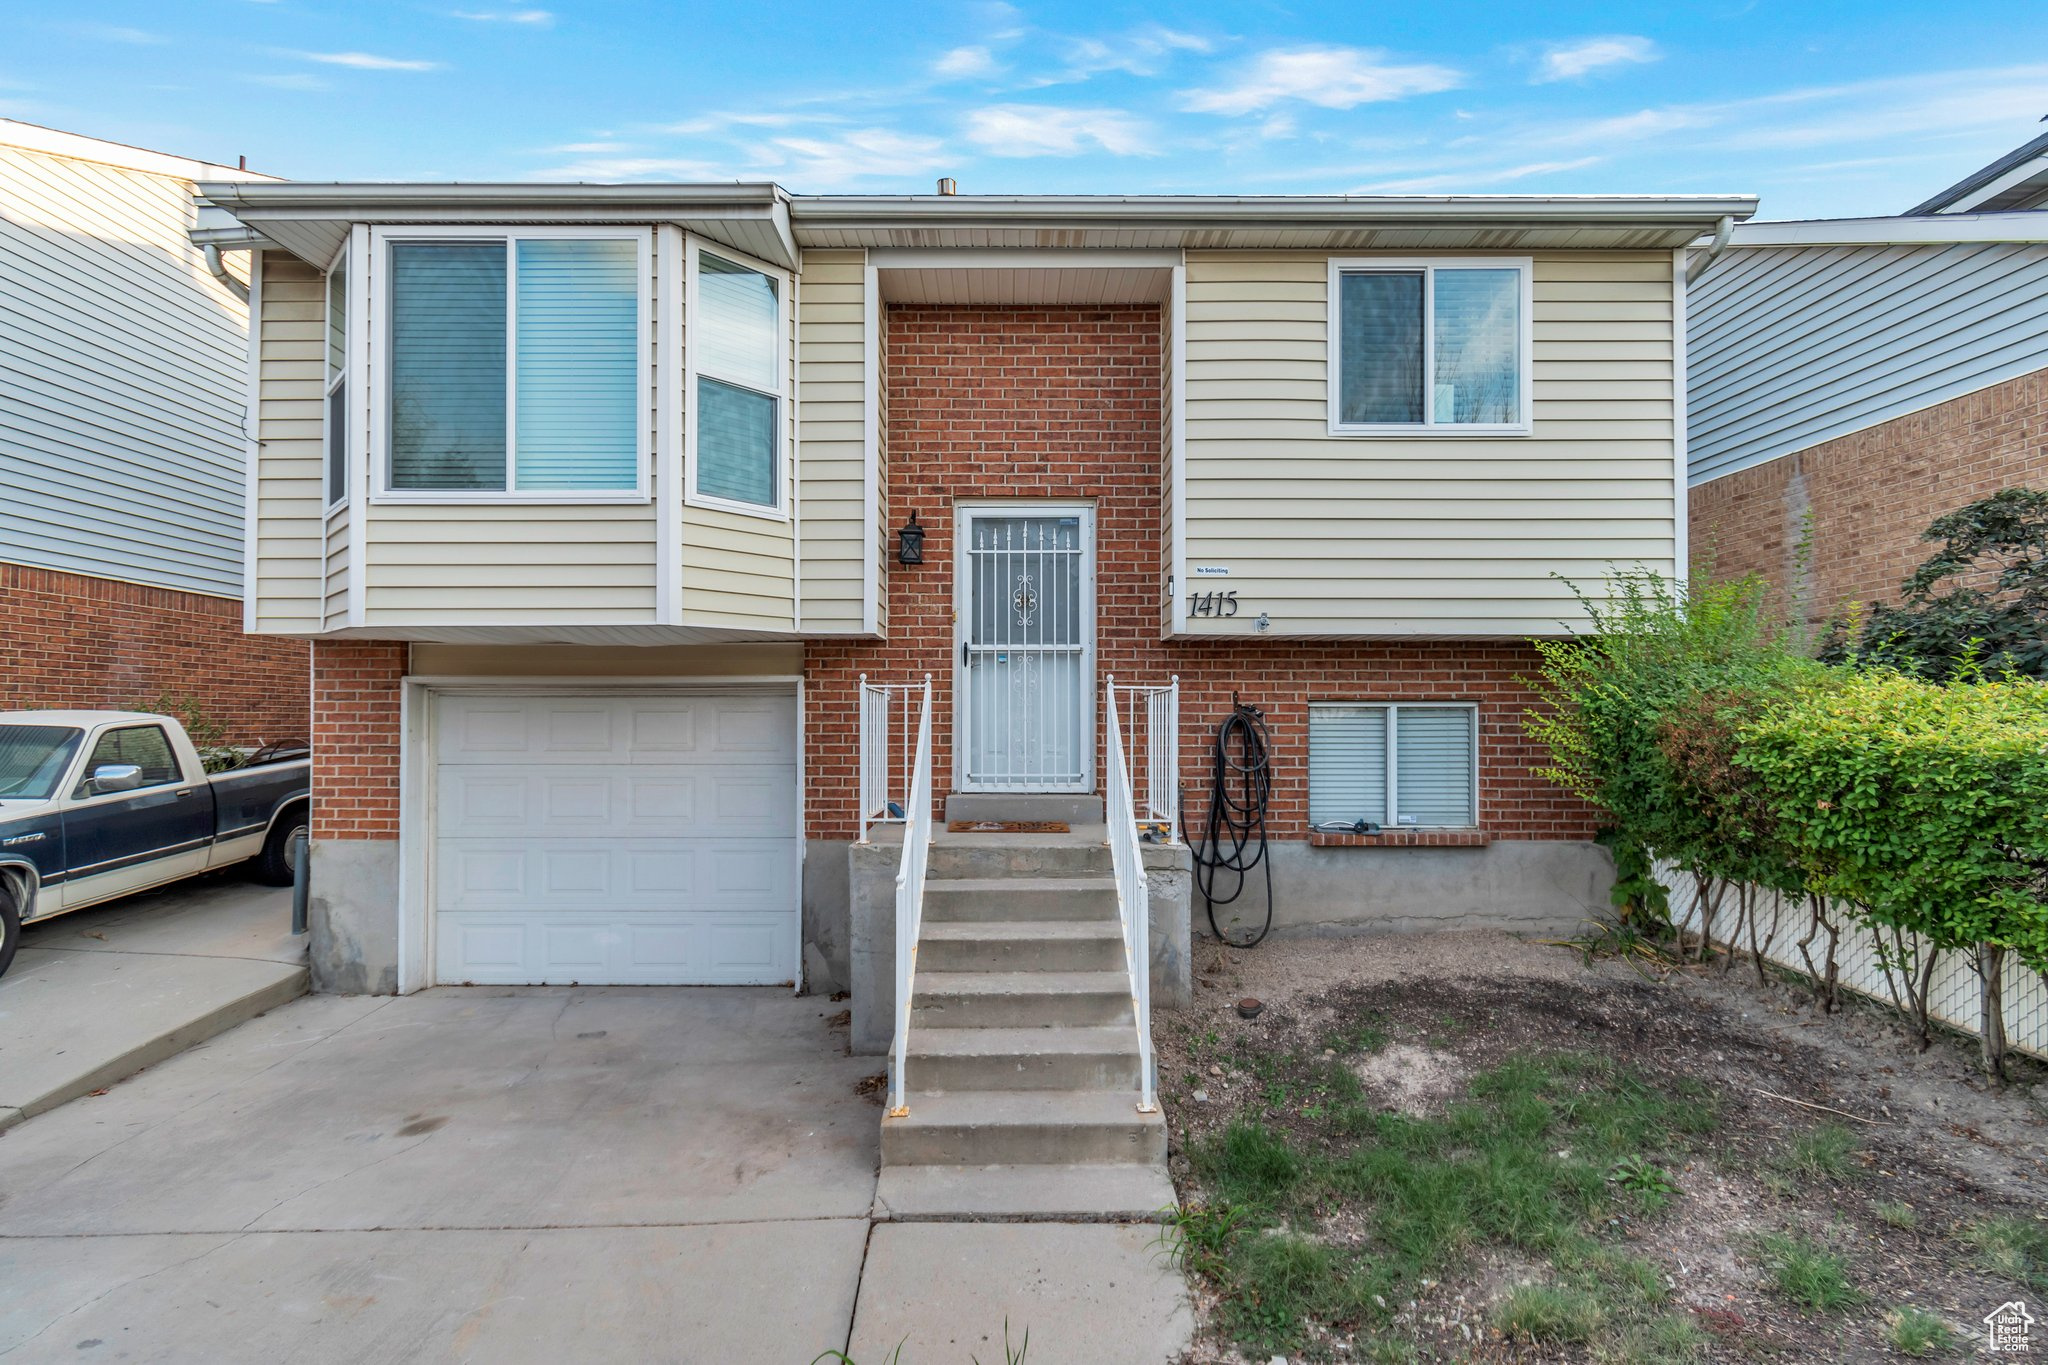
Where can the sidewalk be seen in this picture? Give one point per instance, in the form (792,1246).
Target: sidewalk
(96,996)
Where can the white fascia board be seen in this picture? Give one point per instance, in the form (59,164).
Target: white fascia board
(2021,225)
(1292,210)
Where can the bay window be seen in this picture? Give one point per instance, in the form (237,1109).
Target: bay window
(736,356)
(517,366)
(337,380)
(1429,347)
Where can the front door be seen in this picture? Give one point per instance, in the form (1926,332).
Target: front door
(1025,601)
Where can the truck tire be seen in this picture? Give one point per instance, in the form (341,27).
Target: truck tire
(10,926)
(275,865)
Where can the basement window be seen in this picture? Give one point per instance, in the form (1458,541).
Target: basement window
(1417,761)
(518,365)
(1429,347)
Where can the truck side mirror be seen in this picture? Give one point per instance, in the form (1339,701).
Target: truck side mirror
(115,777)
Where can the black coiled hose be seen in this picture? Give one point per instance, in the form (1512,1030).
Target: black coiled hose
(1234,834)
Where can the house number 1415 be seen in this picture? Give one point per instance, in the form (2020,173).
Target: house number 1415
(1212,604)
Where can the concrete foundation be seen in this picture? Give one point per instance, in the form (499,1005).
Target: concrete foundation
(828,945)
(1525,886)
(352,916)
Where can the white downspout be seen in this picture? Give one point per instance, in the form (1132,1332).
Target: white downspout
(218,268)
(1722,231)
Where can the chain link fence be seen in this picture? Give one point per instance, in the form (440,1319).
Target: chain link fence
(1954,995)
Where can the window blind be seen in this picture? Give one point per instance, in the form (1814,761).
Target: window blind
(1380,347)
(1433,766)
(337,318)
(577,366)
(448,353)
(734,344)
(1478,338)
(337,382)
(1347,764)
(337,443)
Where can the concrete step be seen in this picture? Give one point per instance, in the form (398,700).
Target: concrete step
(1079,854)
(955,1000)
(988,899)
(1022,946)
(1024,1058)
(1122,1192)
(1023,1128)
(1079,809)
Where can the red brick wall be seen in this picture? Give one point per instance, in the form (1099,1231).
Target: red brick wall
(69,640)
(1067,404)
(356,737)
(1871,493)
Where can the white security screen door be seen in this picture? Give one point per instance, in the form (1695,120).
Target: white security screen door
(1026,606)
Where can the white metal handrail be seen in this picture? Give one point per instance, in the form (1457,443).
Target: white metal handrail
(1132,903)
(917,842)
(1151,750)
(886,714)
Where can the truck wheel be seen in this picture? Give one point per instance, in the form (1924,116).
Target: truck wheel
(10,928)
(278,862)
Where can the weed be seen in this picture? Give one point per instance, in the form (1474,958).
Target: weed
(1895,1214)
(1824,1152)
(1550,1314)
(1248,1164)
(1010,1357)
(1645,1179)
(1197,1238)
(1916,1332)
(1664,1340)
(1806,1274)
(2012,1247)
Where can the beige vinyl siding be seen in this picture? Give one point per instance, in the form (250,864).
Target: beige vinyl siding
(832,429)
(336,610)
(739,571)
(1423,536)
(291,545)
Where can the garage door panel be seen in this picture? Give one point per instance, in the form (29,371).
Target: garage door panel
(616,839)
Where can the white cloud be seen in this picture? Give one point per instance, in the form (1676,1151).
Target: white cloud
(964,63)
(588,148)
(1144,51)
(1469,181)
(538,18)
(118,33)
(1329,77)
(605,170)
(1036,130)
(366,61)
(727,122)
(1582,56)
(863,154)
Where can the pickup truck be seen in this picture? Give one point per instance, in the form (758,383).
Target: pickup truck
(99,804)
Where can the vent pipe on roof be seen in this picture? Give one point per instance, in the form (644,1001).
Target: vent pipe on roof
(948,185)
(218,268)
(1722,231)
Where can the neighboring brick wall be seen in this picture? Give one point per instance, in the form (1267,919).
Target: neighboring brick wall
(70,640)
(356,737)
(1001,403)
(1870,494)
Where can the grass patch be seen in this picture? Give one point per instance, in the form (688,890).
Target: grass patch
(1529,1160)
(1895,1214)
(1824,1152)
(1666,1340)
(1916,1332)
(2013,1247)
(1806,1274)
(1550,1315)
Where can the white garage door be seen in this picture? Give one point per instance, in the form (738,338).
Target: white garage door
(615,840)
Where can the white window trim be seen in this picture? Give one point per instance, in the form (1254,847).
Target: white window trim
(381,239)
(1428,265)
(345,375)
(1393,710)
(784,399)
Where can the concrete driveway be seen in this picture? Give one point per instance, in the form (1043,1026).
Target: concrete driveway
(545,1175)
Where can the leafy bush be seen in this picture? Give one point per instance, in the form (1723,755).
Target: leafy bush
(1993,614)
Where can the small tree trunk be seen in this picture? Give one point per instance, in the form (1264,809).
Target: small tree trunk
(1707,896)
(1991,1009)
(1823,978)
(1756,954)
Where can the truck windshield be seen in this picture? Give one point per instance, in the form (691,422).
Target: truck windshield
(33,759)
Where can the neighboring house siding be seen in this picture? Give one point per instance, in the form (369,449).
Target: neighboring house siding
(1792,346)
(832,378)
(122,379)
(1433,536)
(290,553)
(1840,522)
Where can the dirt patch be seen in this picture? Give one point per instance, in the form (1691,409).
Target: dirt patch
(1934,1150)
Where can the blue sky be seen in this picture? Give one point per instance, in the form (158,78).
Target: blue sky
(1822,109)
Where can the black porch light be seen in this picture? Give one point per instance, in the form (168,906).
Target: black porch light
(910,543)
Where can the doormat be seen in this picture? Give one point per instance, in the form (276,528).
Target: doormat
(1007,827)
